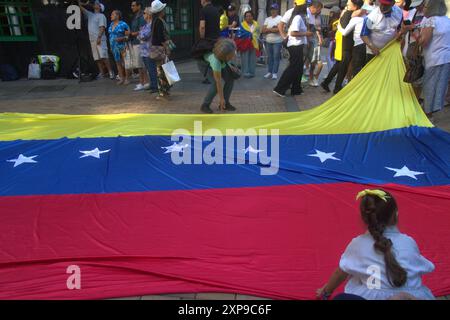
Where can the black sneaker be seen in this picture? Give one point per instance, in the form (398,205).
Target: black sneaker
(336,90)
(297,93)
(206,109)
(206,81)
(229,107)
(281,95)
(325,87)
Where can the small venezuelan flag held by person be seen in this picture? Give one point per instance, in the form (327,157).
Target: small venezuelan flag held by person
(259,204)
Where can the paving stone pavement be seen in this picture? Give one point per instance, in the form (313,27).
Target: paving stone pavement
(104,96)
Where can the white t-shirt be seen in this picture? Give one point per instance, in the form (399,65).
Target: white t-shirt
(360,261)
(273,23)
(382,28)
(438,50)
(287,16)
(355,25)
(297,25)
(95,21)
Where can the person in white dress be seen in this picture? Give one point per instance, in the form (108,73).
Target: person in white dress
(382,263)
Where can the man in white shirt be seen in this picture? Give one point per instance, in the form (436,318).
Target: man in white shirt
(381,26)
(97,37)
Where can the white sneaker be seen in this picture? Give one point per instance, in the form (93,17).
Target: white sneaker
(268,75)
(274,76)
(139,87)
(111,76)
(316,82)
(146,86)
(311,83)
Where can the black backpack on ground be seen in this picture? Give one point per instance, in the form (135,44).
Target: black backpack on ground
(8,72)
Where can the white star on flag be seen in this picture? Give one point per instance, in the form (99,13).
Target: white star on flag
(175,148)
(323,156)
(405,172)
(22,159)
(250,149)
(93,153)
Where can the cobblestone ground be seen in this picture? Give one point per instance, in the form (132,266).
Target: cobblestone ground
(104,96)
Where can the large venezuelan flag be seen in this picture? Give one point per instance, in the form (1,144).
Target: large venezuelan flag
(101,192)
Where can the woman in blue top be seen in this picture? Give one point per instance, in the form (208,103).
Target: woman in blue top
(117,41)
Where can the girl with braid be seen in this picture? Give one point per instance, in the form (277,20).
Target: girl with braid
(383,263)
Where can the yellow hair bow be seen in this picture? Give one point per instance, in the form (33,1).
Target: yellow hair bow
(377,193)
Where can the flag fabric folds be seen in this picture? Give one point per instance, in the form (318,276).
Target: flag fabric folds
(240,214)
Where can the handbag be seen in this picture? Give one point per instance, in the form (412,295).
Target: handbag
(34,70)
(157,53)
(415,65)
(128,60)
(234,71)
(171,72)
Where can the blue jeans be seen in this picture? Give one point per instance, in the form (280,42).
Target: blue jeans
(248,62)
(274,56)
(152,73)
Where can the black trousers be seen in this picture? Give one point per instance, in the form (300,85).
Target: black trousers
(292,75)
(343,68)
(358,58)
(369,57)
(340,69)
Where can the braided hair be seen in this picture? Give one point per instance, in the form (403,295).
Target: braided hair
(378,214)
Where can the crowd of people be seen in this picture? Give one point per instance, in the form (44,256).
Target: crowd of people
(351,37)
(143,46)
(354,36)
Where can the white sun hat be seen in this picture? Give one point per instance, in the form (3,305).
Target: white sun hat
(157,6)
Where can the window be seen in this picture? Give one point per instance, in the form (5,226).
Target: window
(178,16)
(16,21)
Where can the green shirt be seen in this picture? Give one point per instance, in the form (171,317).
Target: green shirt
(216,64)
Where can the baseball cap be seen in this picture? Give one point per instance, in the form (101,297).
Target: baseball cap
(300,2)
(231,7)
(386,2)
(274,6)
